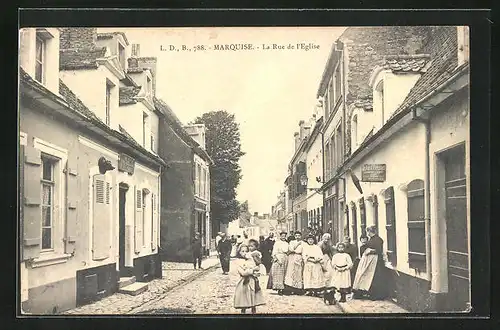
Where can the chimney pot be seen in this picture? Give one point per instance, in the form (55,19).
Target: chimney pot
(136,50)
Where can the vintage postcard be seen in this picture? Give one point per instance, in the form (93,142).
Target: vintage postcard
(255,170)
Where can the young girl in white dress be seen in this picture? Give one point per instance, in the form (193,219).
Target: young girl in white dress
(341,264)
(248,293)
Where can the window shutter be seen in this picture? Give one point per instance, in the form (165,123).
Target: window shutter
(416,225)
(101,220)
(138,221)
(72,207)
(154,224)
(390,225)
(362,216)
(31,205)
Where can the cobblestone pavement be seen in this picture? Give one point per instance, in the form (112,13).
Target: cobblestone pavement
(174,274)
(213,294)
(369,306)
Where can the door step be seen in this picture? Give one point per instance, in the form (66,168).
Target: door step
(124,281)
(134,289)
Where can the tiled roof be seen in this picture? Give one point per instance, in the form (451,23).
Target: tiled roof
(406,63)
(443,49)
(77,59)
(127,94)
(365,103)
(135,70)
(108,35)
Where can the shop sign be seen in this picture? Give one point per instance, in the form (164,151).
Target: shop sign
(126,164)
(373,173)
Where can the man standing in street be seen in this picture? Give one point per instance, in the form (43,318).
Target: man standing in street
(217,239)
(196,248)
(266,249)
(224,250)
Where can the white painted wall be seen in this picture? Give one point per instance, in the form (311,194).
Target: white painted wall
(27,56)
(448,129)
(93,94)
(404,155)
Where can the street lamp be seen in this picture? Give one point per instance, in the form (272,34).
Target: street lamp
(304,179)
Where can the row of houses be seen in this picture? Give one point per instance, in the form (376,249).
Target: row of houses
(111,182)
(388,145)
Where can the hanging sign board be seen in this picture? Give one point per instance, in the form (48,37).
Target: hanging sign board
(126,164)
(373,173)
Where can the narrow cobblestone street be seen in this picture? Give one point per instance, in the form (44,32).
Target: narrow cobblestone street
(213,294)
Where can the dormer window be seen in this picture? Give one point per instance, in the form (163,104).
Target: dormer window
(40,59)
(149,87)
(121,55)
(379,90)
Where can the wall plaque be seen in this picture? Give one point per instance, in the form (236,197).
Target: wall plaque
(373,173)
(126,164)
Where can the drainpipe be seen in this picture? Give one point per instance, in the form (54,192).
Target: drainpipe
(323,178)
(427,193)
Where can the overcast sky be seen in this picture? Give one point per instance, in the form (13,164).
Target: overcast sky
(269,91)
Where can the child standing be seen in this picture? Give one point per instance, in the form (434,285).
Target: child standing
(248,293)
(341,264)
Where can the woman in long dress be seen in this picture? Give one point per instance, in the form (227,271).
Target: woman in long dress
(294,282)
(371,278)
(328,250)
(278,268)
(248,293)
(313,273)
(341,278)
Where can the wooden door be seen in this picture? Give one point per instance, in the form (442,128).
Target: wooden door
(456,229)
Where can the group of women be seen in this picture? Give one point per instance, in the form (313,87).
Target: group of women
(305,267)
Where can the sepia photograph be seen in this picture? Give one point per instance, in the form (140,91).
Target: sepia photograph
(244,170)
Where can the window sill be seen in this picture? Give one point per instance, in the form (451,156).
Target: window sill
(50,259)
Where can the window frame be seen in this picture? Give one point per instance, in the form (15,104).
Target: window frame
(416,259)
(43,42)
(51,183)
(390,225)
(145,118)
(122,56)
(379,88)
(60,157)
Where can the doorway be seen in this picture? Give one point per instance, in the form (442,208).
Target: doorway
(121,215)
(456,228)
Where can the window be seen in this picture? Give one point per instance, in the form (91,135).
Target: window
(362,215)
(121,55)
(354,225)
(40,60)
(48,185)
(333,97)
(338,82)
(338,151)
(354,130)
(390,212)
(326,105)
(144,217)
(380,96)
(333,164)
(149,86)
(108,102)
(416,225)
(144,128)
(152,142)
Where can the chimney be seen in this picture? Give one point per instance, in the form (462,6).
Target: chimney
(78,38)
(297,140)
(148,63)
(313,120)
(301,129)
(135,50)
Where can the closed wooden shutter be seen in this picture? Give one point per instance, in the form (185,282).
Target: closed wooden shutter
(32,225)
(154,221)
(362,216)
(354,225)
(101,218)
(72,207)
(138,220)
(390,212)
(416,225)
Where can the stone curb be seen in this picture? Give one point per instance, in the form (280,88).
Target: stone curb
(178,284)
(347,309)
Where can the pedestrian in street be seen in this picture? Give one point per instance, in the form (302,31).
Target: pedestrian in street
(327,249)
(294,276)
(279,263)
(217,239)
(290,237)
(224,250)
(196,248)
(341,278)
(266,248)
(371,276)
(234,247)
(352,250)
(248,293)
(313,274)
